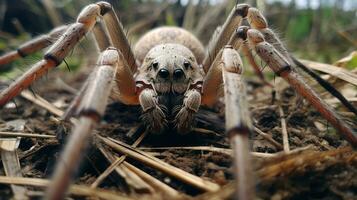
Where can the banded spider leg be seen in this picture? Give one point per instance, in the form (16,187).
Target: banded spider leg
(111,66)
(271,50)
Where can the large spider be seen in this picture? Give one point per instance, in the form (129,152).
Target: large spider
(168,73)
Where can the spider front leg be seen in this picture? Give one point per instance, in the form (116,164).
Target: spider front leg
(223,35)
(33,45)
(91,110)
(152,115)
(257,21)
(191,104)
(226,70)
(238,121)
(281,66)
(55,55)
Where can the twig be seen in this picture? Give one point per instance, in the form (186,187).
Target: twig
(162,187)
(78,190)
(30,135)
(269,138)
(160,165)
(116,163)
(41,102)
(228,152)
(295,163)
(132,179)
(336,101)
(206,132)
(11,163)
(38,100)
(196,148)
(284,129)
(328,87)
(332,70)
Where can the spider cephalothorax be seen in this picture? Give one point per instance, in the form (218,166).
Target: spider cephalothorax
(168,80)
(169,70)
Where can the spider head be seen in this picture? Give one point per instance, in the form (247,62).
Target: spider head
(170,68)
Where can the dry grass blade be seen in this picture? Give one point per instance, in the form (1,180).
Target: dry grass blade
(269,138)
(132,179)
(282,155)
(332,70)
(344,61)
(284,129)
(38,100)
(228,152)
(147,22)
(196,148)
(52,12)
(11,164)
(336,101)
(296,163)
(238,122)
(188,19)
(160,165)
(206,132)
(282,68)
(77,190)
(302,161)
(332,89)
(41,102)
(116,163)
(30,135)
(158,185)
(134,182)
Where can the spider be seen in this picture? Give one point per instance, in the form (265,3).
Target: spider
(168,73)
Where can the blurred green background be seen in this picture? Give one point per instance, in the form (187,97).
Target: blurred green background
(319,30)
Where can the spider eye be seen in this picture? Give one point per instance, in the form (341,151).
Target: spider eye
(155,65)
(187,64)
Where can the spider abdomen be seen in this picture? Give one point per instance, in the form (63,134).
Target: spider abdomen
(163,35)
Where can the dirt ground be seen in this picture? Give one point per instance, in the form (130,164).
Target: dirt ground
(333,178)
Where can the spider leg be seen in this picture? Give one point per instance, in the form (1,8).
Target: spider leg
(125,89)
(91,109)
(281,66)
(101,36)
(238,42)
(238,122)
(55,55)
(191,104)
(257,21)
(227,69)
(33,45)
(103,42)
(111,33)
(212,85)
(118,37)
(222,35)
(125,93)
(152,115)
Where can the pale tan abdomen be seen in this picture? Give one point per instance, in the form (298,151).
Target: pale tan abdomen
(164,35)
